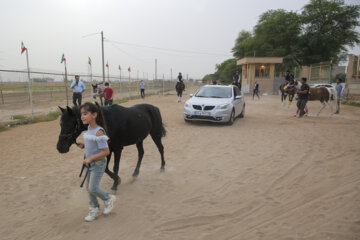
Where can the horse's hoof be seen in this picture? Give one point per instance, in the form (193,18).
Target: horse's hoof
(114,188)
(162,169)
(135,174)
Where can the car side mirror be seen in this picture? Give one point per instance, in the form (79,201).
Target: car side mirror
(238,97)
(191,95)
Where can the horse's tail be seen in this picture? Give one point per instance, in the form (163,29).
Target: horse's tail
(158,126)
(334,94)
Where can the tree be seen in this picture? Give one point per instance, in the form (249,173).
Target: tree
(226,70)
(328,28)
(275,35)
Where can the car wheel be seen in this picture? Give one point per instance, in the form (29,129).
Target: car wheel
(242,114)
(232,118)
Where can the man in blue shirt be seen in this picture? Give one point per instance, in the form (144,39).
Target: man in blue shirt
(142,89)
(338,88)
(78,88)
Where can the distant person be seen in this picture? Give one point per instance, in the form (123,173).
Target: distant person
(222,82)
(78,88)
(142,89)
(339,89)
(101,94)
(108,92)
(303,96)
(94,86)
(214,82)
(256,90)
(237,80)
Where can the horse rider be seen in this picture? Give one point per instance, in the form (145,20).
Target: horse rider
(180,79)
(290,80)
(237,80)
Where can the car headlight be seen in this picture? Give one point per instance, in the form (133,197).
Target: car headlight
(187,105)
(223,106)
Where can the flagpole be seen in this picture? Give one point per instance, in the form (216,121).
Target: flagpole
(120,81)
(129,85)
(66,87)
(108,75)
(30,90)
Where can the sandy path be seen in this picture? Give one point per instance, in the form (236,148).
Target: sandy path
(269,176)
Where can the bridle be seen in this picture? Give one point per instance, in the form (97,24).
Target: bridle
(77,132)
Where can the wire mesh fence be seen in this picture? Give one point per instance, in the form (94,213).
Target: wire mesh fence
(47,87)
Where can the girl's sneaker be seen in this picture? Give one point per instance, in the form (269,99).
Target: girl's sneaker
(94,212)
(109,204)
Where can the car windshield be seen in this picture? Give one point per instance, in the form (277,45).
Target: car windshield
(214,92)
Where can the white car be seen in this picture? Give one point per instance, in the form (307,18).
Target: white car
(215,103)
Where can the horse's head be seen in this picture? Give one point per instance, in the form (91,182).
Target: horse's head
(71,127)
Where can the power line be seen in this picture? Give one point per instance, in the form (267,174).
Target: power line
(168,49)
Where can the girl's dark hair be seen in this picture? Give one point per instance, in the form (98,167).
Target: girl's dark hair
(95,108)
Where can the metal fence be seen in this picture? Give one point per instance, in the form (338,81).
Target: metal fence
(47,86)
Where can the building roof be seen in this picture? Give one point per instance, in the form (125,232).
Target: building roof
(254,60)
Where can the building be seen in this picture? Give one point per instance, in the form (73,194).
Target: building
(260,69)
(353,77)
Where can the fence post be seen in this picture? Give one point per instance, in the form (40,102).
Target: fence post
(51,93)
(2,96)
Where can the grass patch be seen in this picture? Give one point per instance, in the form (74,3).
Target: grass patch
(19,117)
(22,120)
(351,103)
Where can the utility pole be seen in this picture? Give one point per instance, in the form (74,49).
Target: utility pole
(155,68)
(103,61)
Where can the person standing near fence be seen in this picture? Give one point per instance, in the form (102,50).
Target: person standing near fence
(108,91)
(78,88)
(101,94)
(339,89)
(142,89)
(256,90)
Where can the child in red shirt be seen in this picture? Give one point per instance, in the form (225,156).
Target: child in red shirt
(108,95)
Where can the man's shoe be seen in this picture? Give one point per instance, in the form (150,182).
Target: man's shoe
(109,204)
(94,212)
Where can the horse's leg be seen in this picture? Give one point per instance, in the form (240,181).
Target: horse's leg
(117,179)
(157,141)
(180,95)
(107,171)
(140,148)
(324,105)
(331,107)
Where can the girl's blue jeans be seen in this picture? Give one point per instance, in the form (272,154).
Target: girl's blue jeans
(96,169)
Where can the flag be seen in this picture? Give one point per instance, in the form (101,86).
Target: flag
(129,69)
(63,59)
(23,48)
(89,61)
(107,64)
(119,68)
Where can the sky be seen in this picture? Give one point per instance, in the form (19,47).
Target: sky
(200,34)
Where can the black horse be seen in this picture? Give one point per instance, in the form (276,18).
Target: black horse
(180,87)
(124,126)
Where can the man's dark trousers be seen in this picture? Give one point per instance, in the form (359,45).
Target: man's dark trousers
(78,97)
(301,103)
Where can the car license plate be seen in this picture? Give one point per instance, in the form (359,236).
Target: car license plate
(201,113)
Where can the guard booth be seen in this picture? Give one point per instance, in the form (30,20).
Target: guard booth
(260,69)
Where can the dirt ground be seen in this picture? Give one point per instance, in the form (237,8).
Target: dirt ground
(269,176)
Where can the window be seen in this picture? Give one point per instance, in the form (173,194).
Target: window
(237,92)
(262,71)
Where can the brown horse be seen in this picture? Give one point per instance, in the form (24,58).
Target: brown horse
(287,92)
(323,95)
